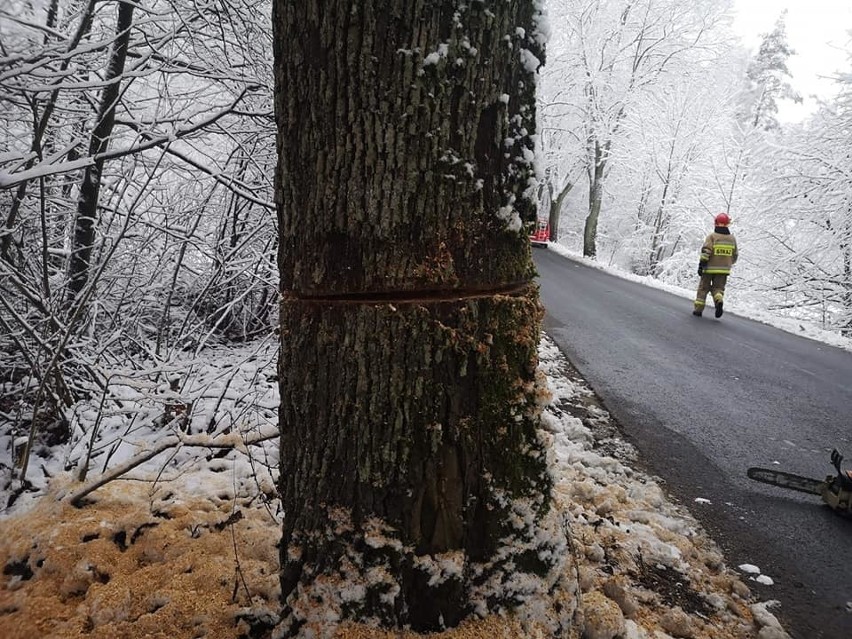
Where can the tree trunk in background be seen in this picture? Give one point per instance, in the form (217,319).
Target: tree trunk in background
(596,179)
(556,210)
(40,124)
(409,326)
(87,202)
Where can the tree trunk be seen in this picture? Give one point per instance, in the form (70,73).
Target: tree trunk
(590,232)
(41,121)
(556,210)
(412,475)
(87,202)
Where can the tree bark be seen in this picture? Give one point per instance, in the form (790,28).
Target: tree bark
(400,178)
(87,202)
(412,474)
(40,123)
(556,209)
(846,256)
(418,415)
(596,178)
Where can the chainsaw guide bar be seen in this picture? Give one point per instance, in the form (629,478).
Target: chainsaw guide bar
(835,490)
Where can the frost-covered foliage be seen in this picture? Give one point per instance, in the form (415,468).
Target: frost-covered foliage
(217,401)
(182,230)
(607,59)
(663,148)
(806,232)
(769,79)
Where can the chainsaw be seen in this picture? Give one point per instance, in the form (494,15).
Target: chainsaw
(835,490)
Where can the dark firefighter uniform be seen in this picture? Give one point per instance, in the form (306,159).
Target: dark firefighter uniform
(718,255)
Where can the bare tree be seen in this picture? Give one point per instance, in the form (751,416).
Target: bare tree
(613,53)
(136,165)
(87,201)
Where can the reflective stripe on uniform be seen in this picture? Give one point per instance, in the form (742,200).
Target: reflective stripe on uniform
(718,270)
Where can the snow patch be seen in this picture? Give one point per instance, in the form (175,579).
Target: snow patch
(749,569)
(436,56)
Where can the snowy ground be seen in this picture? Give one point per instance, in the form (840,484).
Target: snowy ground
(184,543)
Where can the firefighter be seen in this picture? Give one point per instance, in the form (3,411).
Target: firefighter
(718,255)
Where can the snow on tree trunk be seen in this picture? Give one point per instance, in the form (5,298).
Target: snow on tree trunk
(414,482)
(87,203)
(596,178)
(556,210)
(846,279)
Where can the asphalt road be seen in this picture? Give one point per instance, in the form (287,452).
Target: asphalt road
(702,400)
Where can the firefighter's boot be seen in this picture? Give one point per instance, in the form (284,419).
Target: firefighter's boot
(719,306)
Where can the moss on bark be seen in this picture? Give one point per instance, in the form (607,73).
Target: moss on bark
(420,414)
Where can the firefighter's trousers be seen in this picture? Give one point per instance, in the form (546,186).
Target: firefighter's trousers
(713,283)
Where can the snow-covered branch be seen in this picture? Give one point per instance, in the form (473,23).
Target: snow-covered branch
(45,169)
(230,442)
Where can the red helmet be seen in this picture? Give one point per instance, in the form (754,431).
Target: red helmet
(723,219)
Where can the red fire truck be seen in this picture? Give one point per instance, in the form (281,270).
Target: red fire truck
(541,235)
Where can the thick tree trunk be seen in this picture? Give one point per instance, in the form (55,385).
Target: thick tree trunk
(412,475)
(393,172)
(404,431)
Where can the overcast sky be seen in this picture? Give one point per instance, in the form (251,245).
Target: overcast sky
(819,32)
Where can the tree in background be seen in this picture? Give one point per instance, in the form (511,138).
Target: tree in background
(413,480)
(135,189)
(562,144)
(807,230)
(738,171)
(660,165)
(612,54)
(85,221)
(767,76)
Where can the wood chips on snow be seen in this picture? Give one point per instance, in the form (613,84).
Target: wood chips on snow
(132,566)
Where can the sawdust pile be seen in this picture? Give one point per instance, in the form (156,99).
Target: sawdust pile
(131,565)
